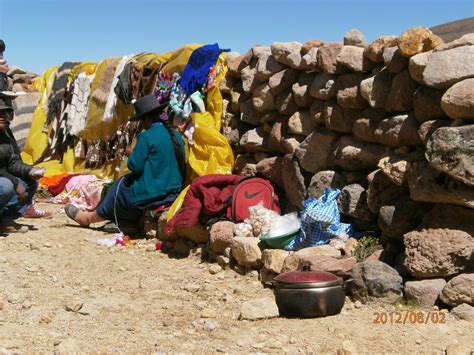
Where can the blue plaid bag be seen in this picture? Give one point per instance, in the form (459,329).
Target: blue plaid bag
(320,221)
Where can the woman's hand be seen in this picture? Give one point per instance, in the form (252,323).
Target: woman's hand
(36,173)
(21,191)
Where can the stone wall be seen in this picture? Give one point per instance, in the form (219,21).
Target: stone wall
(390,123)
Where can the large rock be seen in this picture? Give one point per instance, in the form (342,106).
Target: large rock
(273,259)
(458,100)
(354,37)
(355,155)
(262,308)
(463,311)
(259,51)
(382,191)
(237,64)
(393,59)
(438,252)
(427,129)
(272,169)
(401,216)
(315,153)
(375,280)
(425,293)
(323,87)
(221,236)
(337,118)
(449,216)
(237,97)
(293,181)
(375,89)
(287,53)
(459,290)
(254,140)
(249,114)
(290,144)
(263,99)
(375,50)
(309,61)
(367,122)
(285,103)
(465,40)
(348,94)
(317,111)
(301,123)
(398,131)
(449,67)
(430,185)
(427,104)
(338,266)
(275,137)
(312,43)
(249,79)
(327,58)
(417,40)
(451,150)
(301,92)
(417,65)
(401,93)
(323,179)
(246,252)
(292,261)
(282,80)
(267,66)
(353,202)
(354,59)
(396,166)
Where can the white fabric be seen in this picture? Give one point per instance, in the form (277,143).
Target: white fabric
(79,107)
(112,98)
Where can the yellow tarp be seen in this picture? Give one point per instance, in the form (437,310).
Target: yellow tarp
(210,154)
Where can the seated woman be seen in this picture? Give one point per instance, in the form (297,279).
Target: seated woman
(157,165)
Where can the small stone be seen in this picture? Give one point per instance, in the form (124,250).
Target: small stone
(73,306)
(354,37)
(214,269)
(48,245)
(26,304)
(1,305)
(210,325)
(463,311)
(192,288)
(262,308)
(457,349)
(358,304)
(208,313)
(34,246)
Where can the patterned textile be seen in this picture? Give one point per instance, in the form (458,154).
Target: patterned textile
(320,222)
(112,97)
(58,90)
(77,110)
(24,108)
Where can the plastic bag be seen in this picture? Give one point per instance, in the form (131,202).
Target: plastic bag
(282,225)
(320,222)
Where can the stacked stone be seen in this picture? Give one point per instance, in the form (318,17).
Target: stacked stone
(389,123)
(25,105)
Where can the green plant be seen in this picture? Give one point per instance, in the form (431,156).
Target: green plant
(366,246)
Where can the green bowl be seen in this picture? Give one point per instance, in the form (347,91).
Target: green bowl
(280,241)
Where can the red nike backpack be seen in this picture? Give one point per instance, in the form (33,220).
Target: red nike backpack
(251,192)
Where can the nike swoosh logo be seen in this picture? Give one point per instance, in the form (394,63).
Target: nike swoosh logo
(249,196)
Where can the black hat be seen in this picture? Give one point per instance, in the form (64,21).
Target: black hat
(146,106)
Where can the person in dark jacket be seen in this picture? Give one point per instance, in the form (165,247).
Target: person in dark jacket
(157,165)
(17,179)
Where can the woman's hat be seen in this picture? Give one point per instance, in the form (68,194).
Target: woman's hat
(146,106)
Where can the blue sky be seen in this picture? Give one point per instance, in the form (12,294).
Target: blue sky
(42,33)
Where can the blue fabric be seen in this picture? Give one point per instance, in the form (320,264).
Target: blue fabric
(10,206)
(196,72)
(154,165)
(320,221)
(124,208)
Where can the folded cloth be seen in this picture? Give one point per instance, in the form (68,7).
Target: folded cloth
(57,189)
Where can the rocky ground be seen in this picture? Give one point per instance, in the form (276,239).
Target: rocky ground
(60,292)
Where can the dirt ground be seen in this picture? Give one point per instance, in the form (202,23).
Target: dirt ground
(134,300)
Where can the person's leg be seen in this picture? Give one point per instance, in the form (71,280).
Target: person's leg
(15,208)
(7,192)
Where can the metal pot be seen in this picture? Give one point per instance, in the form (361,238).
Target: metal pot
(308,294)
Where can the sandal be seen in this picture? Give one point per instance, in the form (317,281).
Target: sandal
(71,212)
